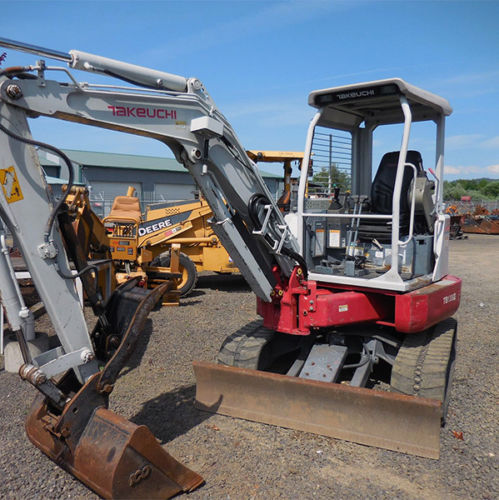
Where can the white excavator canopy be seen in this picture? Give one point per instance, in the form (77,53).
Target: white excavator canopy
(347,106)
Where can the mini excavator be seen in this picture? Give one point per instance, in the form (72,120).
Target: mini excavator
(356,339)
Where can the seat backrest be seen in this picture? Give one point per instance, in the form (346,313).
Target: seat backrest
(384,182)
(125,207)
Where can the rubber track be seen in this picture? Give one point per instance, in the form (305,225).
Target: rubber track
(243,348)
(421,365)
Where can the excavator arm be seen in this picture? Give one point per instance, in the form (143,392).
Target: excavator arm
(70,421)
(180,113)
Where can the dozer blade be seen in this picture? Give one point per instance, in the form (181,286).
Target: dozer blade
(108,453)
(386,420)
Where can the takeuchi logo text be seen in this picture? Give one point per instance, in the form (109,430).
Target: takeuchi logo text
(163,114)
(356,93)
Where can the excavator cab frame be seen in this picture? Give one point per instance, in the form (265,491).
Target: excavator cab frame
(330,235)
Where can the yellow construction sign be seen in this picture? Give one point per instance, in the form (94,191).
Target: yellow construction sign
(10,184)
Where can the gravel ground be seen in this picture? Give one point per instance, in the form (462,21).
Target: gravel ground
(241,459)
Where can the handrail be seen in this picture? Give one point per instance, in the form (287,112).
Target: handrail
(413,205)
(347,215)
(406,109)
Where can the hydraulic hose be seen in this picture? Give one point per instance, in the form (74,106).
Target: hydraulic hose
(364,359)
(14,70)
(53,214)
(298,258)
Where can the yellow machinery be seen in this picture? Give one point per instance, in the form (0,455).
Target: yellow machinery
(287,157)
(92,241)
(141,245)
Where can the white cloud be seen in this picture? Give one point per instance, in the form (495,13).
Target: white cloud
(474,141)
(472,171)
(462,141)
(269,112)
(459,85)
(468,79)
(451,170)
(493,142)
(262,19)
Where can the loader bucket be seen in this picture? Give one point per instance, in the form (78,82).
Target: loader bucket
(396,422)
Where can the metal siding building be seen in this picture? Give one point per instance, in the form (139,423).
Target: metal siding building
(108,175)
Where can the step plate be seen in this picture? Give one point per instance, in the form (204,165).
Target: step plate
(386,420)
(324,362)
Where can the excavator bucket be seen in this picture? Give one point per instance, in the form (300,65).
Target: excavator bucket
(113,456)
(386,420)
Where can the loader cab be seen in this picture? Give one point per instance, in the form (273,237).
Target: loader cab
(378,226)
(122,223)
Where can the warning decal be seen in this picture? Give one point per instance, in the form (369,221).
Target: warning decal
(10,185)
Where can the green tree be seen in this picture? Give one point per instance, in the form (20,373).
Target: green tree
(339,178)
(478,189)
(491,190)
(454,191)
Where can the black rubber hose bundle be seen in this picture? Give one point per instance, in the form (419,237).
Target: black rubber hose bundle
(58,205)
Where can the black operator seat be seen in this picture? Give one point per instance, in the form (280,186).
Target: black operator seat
(382,194)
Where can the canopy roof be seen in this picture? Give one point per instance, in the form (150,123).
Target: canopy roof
(377,102)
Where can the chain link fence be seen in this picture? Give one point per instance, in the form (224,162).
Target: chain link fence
(470,206)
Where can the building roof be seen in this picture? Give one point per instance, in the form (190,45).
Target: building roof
(118,160)
(46,162)
(127,161)
(55,180)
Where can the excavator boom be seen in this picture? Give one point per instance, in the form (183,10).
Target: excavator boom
(70,421)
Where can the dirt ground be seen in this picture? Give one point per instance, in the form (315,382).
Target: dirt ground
(246,460)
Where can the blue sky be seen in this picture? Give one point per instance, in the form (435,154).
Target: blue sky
(260,59)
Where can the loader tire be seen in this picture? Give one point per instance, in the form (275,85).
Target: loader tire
(189,277)
(246,348)
(424,365)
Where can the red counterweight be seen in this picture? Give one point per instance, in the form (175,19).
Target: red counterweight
(302,306)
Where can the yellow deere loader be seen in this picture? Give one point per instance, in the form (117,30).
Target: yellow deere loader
(141,245)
